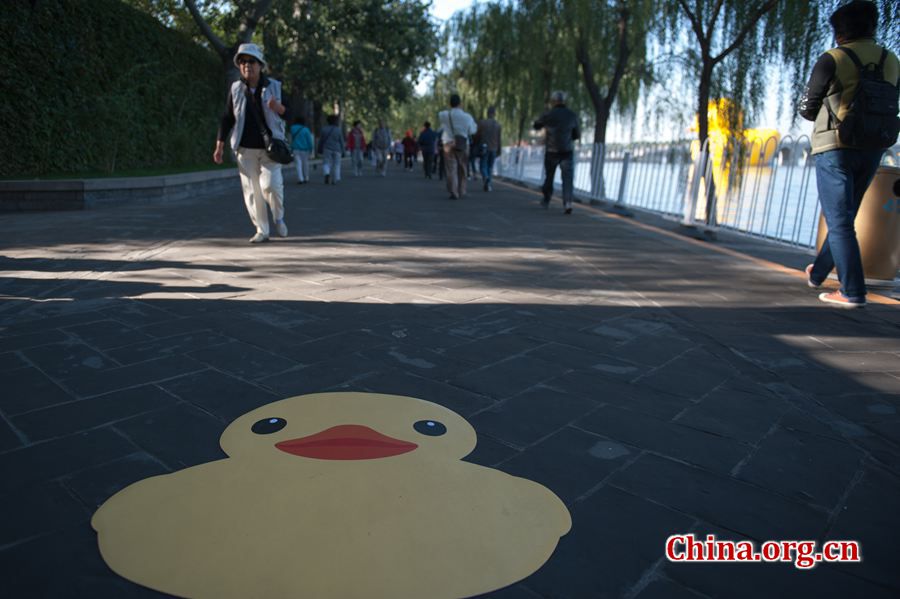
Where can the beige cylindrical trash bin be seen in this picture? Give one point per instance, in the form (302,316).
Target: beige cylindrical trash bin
(877,227)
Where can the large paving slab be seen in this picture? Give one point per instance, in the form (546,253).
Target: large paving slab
(657,384)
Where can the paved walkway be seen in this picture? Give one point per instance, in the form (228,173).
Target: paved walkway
(656,385)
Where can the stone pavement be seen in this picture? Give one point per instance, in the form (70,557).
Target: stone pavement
(656,385)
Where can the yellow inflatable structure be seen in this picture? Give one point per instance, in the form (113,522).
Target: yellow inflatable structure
(761,143)
(758,146)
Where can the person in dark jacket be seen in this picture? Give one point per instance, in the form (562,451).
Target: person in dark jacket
(427,141)
(561,129)
(331,143)
(410,149)
(489,136)
(439,155)
(843,173)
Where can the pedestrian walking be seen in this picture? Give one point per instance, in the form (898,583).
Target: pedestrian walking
(331,147)
(381,145)
(254,107)
(457,126)
(356,143)
(489,135)
(427,142)
(439,166)
(561,129)
(852,84)
(398,151)
(302,144)
(410,149)
(474,155)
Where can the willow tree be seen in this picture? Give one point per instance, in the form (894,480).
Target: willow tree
(731,44)
(512,56)
(609,39)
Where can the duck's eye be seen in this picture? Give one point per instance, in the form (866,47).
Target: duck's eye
(432,428)
(267,426)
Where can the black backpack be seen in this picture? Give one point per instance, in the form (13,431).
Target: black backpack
(871,120)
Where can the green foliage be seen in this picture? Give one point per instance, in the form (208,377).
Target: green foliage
(101,87)
(595,22)
(512,55)
(730,44)
(412,113)
(363,55)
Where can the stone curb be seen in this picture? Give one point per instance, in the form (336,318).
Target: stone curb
(77,194)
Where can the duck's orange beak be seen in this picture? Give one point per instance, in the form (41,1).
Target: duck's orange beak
(346,442)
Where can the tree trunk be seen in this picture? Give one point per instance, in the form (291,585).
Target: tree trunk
(603,104)
(703,100)
(318,119)
(231,72)
(704,39)
(521,130)
(703,136)
(300,105)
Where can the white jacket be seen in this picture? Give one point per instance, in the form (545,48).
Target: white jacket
(461,121)
(239,100)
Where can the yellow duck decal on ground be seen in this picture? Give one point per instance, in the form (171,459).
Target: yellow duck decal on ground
(334,495)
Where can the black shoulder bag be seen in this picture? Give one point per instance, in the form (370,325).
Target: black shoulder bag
(460,142)
(276,149)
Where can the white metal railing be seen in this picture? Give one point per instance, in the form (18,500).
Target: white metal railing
(765,188)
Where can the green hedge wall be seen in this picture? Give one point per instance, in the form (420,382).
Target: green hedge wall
(94,86)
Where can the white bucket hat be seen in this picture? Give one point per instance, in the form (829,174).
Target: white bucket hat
(249,50)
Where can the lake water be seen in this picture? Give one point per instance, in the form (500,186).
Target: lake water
(777,201)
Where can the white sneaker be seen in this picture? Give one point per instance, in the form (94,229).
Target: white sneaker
(809,280)
(281,228)
(259,238)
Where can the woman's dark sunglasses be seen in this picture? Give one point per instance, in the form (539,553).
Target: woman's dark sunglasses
(250,61)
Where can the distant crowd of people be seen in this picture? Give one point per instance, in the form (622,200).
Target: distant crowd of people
(443,151)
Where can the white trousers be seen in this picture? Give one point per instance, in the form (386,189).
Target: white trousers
(262,184)
(332,161)
(301,162)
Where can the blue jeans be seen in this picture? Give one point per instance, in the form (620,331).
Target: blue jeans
(567,170)
(842,177)
(487,164)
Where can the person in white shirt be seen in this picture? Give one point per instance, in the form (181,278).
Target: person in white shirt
(458,127)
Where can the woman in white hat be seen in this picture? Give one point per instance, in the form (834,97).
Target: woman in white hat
(254,103)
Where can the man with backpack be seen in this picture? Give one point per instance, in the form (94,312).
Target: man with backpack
(852,99)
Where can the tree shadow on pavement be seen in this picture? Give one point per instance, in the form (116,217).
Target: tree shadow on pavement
(757,423)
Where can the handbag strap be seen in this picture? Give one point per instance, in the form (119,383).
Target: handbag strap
(260,120)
